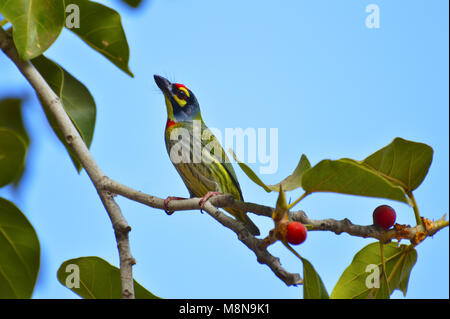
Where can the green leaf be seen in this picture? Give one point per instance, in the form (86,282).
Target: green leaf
(36,24)
(132,3)
(294,180)
(19,253)
(290,183)
(281,208)
(101,28)
(313,287)
(348,176)
(11,118)
(383,292)
(13,150)
(403,162)
(97,279)
(365,267)
(405,271)
(249,172)
(76,99)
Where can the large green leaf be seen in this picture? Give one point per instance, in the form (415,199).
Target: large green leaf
(101,28)
(11,118)
(290,183)
(97,279)
(12,156)
(399,261)
(36,24)
(313,287)
(403,162)
(19,253)
(76,99)
(347,176)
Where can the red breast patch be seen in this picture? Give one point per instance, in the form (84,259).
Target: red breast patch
(170,123)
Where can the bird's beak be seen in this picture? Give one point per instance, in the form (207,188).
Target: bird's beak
(163,84)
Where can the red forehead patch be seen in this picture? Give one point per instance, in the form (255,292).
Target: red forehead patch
(178,85)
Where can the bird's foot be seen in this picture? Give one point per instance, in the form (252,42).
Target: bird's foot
(206,197)
(167,201)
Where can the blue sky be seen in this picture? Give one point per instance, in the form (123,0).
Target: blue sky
(312,69)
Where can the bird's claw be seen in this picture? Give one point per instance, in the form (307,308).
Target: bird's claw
(166,203)
(206,197)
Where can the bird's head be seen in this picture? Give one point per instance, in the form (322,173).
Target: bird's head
(181,103)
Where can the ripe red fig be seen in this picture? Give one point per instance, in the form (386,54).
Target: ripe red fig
(384,216)
(296,233)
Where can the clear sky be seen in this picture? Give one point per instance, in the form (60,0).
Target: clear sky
(312,69)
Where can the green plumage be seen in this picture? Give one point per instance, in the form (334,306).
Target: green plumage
(213,173)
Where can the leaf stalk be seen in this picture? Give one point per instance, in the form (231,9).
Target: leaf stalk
(415,208)
(298,200)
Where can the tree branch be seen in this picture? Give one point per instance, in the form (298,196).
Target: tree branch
(74,140)
(259,246)
(337,226)
(414,234)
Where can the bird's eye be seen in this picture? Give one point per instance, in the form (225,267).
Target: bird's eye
(181,95)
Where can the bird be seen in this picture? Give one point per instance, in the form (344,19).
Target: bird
(203,164)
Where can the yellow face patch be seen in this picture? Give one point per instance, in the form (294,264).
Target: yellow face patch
(184,90)
(181,102)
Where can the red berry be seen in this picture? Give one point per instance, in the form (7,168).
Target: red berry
(384,216)
(296,233)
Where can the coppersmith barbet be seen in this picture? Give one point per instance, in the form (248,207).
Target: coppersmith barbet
(208,174)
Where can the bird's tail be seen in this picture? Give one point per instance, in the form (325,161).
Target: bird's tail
(251,227)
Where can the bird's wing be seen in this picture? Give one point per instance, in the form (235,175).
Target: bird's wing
(213,170)
(217,154)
